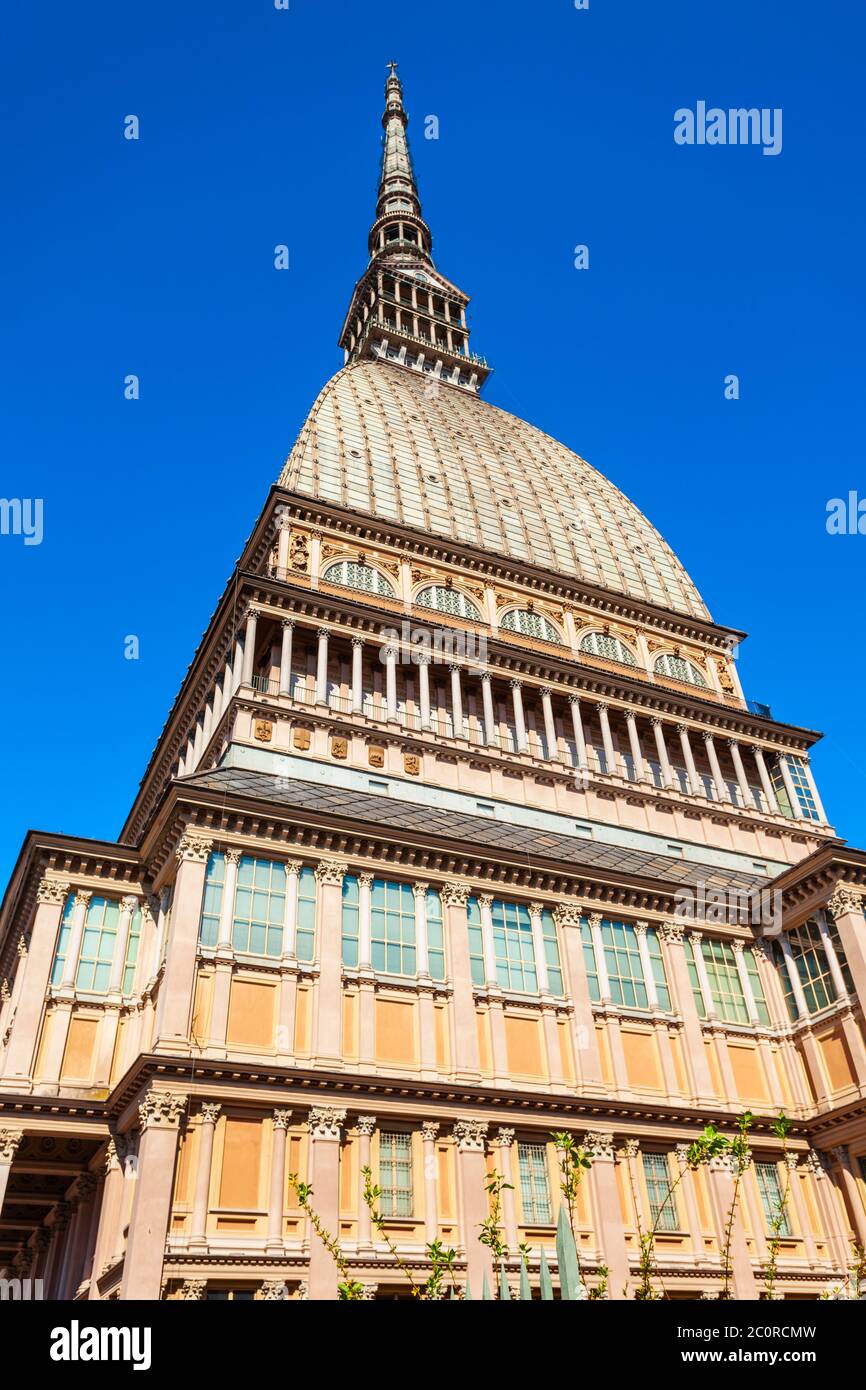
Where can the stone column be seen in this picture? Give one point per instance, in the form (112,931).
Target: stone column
(792,1160)
(586,1057)
(424,688)
(276,1196)
(485,903)
(487,701)
(813,787)
(286,656)
(31,984)
(738,948)
(687,1187)
(464,1029)
(796,809)
(73,944)
(284,532)
(520,740)
(107,1250)
(249,646)
(662,751)
(10,1142)
(422,964)
(357,675)
(832,958)
(769,790)
(794,976)
(853,1202)
(470,1137)
(634,744)
(549,724)
(640,931)
(178,982)
(595,919)
(694,781)
(429,1135)
(504,1142)
(606,739)
(160,1114)
(577,725)
(721,1180)
(390,654)
(610,1231)
(722,793)
(846,909)
(456,701)
(672,935)
(365,1126)
(325,1133)
(322,667)
(329,989)
(290,918)
(128,905)
(696,938)
(208,1117)
(742,779)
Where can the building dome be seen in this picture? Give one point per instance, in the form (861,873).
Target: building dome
(384,440)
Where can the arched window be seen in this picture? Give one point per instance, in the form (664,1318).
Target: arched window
(445,600)
(602,644)
(530,625)
(362,577)
(678,669)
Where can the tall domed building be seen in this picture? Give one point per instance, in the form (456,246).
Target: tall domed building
(461,833)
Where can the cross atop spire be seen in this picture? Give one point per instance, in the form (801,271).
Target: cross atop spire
(403,309)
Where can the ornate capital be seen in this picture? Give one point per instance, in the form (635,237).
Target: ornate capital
(10,1140)
(85,1186)
(162,1109)
(365,1124)
(429,1130)
(641,928)
(504,1137)
(21,948)
(281,1119)
(574,699)
(193,1289)
(52,890)
(567,915)
(325,1121)
(682,1153)
(846,897)
(594,919)
(194,847)
(42,1240)
(368,1292)
(116,1151)
(130,902)
(82,897)
(365,880)
(600,1145)
(696,936)
(792,1161)
(233,856)
(738,947)
(323,632)
(455,894)
(273,1291)
(485,899)
(517,685)
(841,1156)
(420,889)
(672,933)
(470,1135)
(357,641)
(331,871)
(815,1163)
(210,1112)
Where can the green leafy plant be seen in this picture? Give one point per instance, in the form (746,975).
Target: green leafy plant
(781,1128)
(347,1288)
(574,1160)
(741,1153)
(492,1234)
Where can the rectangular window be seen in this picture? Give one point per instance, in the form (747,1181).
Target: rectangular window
(393,928)
(214,883)
(260,907)
(770,1189)
(513,947)
(63,940)
(694,978)
(534,1184)
(305,927)
(97,945)
(624,965)
(757,987)
(476,941)
(395,1174)
(132,943)
(785,981)
(802,788)
(589,961)
(658,969)
(813,968)
(725,986)
(657,1176)
(833,933)
(435,936)
(351,921)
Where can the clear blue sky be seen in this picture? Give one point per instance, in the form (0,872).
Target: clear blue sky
(261,126)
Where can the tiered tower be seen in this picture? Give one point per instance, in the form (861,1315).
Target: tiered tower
(460,832)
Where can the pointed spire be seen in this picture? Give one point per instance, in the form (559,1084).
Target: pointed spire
(403,310)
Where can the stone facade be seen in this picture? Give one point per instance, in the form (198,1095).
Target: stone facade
(461,814)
